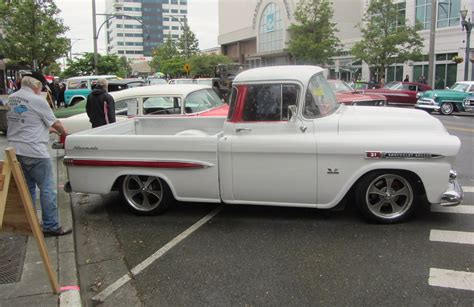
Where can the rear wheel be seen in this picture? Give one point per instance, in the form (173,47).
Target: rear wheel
(446,108)
(386,197)
(146,195)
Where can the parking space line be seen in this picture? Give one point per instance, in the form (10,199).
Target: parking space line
(451,279)
(461,237)
(459,128)
(463,209)
(147,262)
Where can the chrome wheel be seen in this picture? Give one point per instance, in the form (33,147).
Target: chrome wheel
(389,196)
(143,193)
(447,108)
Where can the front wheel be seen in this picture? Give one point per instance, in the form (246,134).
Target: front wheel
(446,108)
(385,197)
(146,195)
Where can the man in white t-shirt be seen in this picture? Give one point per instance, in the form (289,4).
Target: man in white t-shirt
(30,120)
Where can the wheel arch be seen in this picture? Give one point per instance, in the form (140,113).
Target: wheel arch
(412,176)
(116,186)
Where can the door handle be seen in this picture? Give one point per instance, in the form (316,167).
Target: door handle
(242,129)
(303,129)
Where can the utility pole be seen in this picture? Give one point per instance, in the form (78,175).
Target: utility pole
(94,26)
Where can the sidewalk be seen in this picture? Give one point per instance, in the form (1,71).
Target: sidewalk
(34,288)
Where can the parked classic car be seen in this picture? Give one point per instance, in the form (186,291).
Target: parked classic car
(468,103)
(446,101)
(286,142)
(77,88)
(398,92)
(186,100)
(347,95)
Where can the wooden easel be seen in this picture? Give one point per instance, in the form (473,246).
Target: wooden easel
(17,213)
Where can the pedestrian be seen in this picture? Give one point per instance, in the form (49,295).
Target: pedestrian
(30,120)
(62,89)
(100,105)
(407,79)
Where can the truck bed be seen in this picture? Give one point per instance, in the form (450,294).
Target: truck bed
(133,146)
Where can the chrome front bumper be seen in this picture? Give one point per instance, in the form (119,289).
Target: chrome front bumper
(427,104)
(454,194)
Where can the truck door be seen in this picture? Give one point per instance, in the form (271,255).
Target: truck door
(273,157)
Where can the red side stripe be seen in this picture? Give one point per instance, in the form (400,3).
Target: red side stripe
(149,164)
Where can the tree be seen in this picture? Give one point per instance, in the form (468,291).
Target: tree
(313,39)
(165,52)
(204,65)
(188,45)
(33,35)
(107,65)
(53,69)
(386,39)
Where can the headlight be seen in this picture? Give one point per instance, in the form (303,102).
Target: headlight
(418,95)
(452,176)
(435,96)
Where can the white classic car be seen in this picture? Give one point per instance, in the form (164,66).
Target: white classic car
(286,142)
(186,100)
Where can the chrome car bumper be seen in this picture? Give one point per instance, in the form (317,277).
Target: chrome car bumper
(454,194)
(427,104)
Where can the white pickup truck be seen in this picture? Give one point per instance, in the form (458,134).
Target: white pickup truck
(286,142)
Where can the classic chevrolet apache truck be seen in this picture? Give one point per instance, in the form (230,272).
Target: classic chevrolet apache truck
(285,142)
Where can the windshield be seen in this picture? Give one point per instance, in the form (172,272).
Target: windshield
(201,100)
(460,87)
(319,98)
(339,86)
(393,86)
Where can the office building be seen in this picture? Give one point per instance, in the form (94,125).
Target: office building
(260,36)
(136,27)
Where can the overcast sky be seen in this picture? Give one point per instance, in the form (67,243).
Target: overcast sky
(77,15)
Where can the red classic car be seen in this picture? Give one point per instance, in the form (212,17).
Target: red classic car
(347,95)
(398,92)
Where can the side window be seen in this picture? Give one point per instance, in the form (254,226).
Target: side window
(83,84)
(269,102)
(121,106)
(161,105)
(73,84)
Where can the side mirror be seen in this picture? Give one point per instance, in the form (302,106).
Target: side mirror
(292,112)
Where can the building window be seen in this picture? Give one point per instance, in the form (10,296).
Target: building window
(394,73)
(448,13)
(445,70)
(270,33)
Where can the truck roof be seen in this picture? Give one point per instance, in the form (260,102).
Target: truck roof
(277,73)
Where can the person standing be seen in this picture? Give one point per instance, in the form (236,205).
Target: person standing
(407,79)
(100,105)
(30,120)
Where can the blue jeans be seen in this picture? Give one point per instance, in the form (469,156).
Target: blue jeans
(39,172)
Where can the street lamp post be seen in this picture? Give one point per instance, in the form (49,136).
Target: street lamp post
(97,32)
(466,24)
(185,30)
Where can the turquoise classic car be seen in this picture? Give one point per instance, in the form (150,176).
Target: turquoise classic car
(446,101)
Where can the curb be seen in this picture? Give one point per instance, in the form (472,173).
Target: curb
(70,294)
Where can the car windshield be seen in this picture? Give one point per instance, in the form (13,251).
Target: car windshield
(340,86)
(202,100)
(460,87)
(396,86)
(319,98)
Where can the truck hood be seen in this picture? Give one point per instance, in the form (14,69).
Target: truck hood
(445,94)
(386,120)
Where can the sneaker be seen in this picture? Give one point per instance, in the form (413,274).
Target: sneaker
(58,232)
